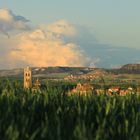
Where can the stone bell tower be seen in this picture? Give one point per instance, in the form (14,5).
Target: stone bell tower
(27,78)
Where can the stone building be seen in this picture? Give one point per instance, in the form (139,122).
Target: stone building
(82,89)
(36,86)
(27,78)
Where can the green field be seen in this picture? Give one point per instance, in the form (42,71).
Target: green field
(52,115)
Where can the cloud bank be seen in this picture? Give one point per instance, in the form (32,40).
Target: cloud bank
(42,46)
(56,44)
(9,22)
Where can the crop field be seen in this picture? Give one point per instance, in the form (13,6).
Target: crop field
(53,115)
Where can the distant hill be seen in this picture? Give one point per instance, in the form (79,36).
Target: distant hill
(131,67)
(11,73)
(98,72)
(46,71)
(128,68)
(53,71)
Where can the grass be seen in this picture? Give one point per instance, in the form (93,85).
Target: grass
(52,115)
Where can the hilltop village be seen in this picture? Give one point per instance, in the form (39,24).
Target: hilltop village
(83,88)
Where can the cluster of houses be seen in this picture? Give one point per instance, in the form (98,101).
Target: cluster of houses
(82,89)
(89,76)
(85,89)
(81,77)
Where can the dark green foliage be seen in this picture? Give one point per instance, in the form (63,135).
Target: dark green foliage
(52,115)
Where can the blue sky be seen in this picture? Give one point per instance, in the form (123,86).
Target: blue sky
(114,24)
(85,12)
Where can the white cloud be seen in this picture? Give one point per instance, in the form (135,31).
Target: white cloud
(46,45)
(43,46)
(36,48)
(9,21)
(61,27)
(95,62)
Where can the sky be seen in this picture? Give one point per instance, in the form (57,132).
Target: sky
(93,33)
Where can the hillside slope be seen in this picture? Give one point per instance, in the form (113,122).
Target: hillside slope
(128,69)
(45,71)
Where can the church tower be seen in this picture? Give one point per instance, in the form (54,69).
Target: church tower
(27,78)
